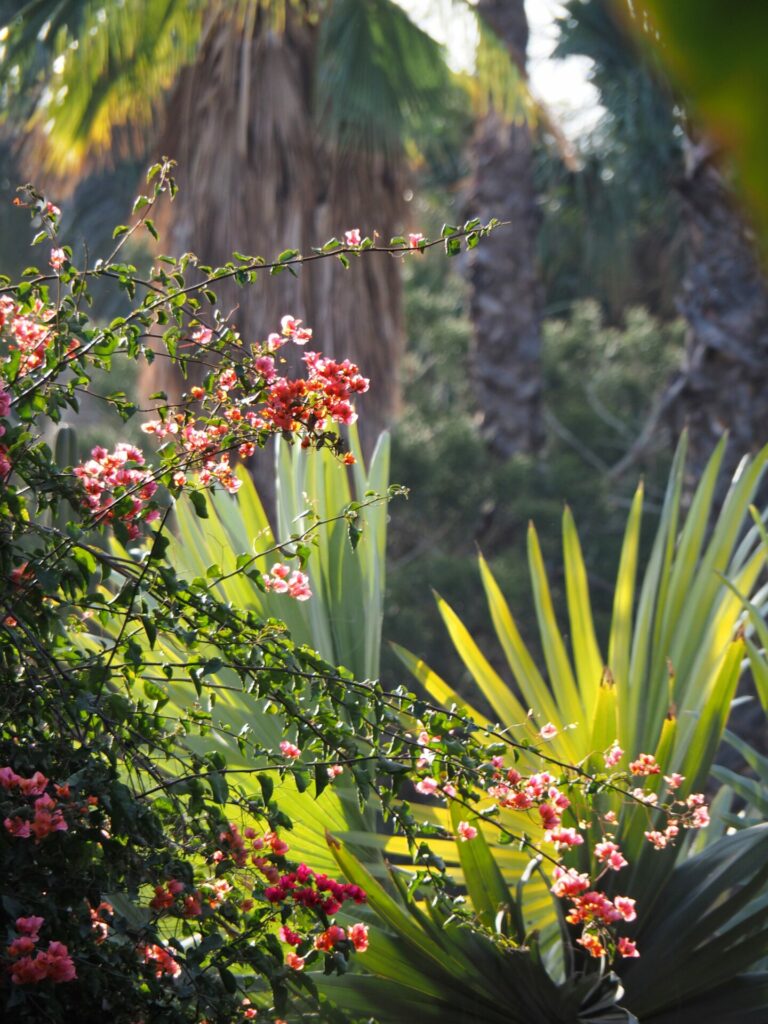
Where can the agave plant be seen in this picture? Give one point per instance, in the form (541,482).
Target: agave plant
(664,685)
(342,621)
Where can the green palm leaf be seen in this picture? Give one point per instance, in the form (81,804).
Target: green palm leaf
(675,653)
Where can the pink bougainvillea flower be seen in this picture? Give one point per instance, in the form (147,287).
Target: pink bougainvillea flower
(29,971)
(548,731)
(161,960)
(290,750)
(59,965)
(277,845)
(55,965)
(29,926)
(202,335)
(563,837)
(329,938)
(352,237)
(656,838)
(675,780)
(549,816)
(18,827)
(700,816)
(275,582)
(645,798)
(427,786)
(58,258)
(568,882)
(466,831)
(22,946)
(265,365)
(291,328)
(294,961)
(645,764)
(280,580)
(592,944)
(33,786)
(192,906)
(626,907)
(9,779)
(414,239)
(627,948)
(613,755)
(358,934)
(298,586)
(608,853)
(291,938)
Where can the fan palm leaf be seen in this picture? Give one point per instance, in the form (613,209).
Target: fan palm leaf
(676,649)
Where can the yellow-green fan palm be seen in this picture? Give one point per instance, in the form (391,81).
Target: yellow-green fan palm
(662,684)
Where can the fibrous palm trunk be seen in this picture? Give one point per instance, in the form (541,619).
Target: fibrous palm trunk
(723,385)
(505,303)
(258,177)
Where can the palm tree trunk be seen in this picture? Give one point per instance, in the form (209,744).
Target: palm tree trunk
(505,304)
(723,385)
(256,177)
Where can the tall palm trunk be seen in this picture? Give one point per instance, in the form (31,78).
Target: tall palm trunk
(256,176)
(505,302)
(723,385)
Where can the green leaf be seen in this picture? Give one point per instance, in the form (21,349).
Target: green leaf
(452,246)
(199,504)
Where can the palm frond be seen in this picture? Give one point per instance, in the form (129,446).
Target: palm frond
(676,650)
(96,71)
(378,73)
(498,83)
